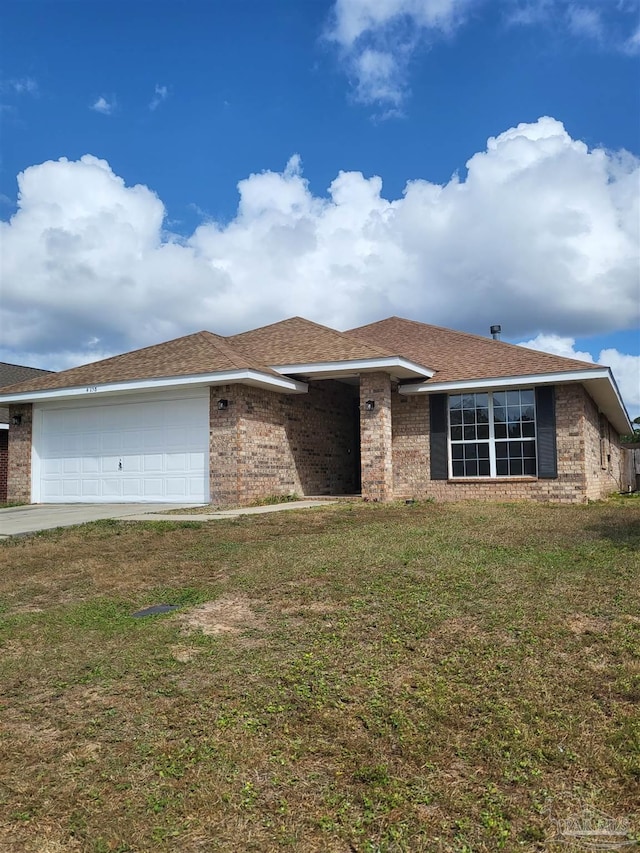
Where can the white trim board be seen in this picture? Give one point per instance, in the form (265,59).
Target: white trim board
(282,384)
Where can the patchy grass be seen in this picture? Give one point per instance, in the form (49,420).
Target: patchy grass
(354,678)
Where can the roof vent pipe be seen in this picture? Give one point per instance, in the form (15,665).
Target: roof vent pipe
(495,332)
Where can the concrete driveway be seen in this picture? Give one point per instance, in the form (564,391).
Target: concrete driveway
(29,519)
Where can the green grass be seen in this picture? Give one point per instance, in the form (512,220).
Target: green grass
(354,678)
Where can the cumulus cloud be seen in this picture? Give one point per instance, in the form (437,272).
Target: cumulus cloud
(104,106)
(625,368)
(377,39)
(24,86)
(161,94)
(541,233)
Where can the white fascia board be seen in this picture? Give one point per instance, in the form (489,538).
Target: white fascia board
(4,426)
(504,381)
(600,382)
(390,364)
(256,378)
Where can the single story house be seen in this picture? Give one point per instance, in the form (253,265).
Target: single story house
(9,375)
(392,410)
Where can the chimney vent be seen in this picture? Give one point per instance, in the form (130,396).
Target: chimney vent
(495,332)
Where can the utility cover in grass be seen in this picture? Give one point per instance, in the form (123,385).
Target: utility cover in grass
(155,609)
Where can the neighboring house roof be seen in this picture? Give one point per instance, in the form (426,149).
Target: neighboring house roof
(12,373)
(456,356)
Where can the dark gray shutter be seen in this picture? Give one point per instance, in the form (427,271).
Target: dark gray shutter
(438,431)
(546,430)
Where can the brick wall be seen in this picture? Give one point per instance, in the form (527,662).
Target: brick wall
(19,468)
(376,448)
(578,478)
(273,444)
(605,470)
(4,461)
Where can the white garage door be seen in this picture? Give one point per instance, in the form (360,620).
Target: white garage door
(156,450)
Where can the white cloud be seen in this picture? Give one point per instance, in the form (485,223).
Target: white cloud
(584,21)
(24,86)
(378,38)
(625,368)
(161,94)
(104,106)
(540,235)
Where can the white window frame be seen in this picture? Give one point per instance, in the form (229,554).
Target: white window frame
(491,441)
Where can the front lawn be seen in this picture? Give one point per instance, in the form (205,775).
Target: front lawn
(352,678)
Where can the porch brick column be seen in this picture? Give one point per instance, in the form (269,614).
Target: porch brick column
(19,473)
(375,437)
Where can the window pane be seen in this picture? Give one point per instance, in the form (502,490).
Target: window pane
(469,416)
(528,397)
(483,451)
(482,415)
(471,469)
(468,401)
(483,431)
(528,430)
(501,450)
(483,468)
(455,417)
(458,469)
(455,401)
(513,398)
(530,467)
(529,449)
(482,401)
(514,431)
(515,450)
(515,467)
(469,433)
(457,451)
(501,430)
(502,467)
(499,414)
(527,413)
(470,451)
(456,433)
(514,414)
(499,398)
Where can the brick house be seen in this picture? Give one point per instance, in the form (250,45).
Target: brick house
(395,409)
(9,375)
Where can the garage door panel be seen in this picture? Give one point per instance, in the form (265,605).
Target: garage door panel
(153,451)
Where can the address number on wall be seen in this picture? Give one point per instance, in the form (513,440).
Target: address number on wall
(90,389)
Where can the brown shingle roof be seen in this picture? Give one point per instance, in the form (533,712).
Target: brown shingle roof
(299,341)
(202,352)
(12,373)
(457,356)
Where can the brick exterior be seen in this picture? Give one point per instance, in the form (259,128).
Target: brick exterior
(19,468)
(273,444)
(267,443)
(4,462)
(376,448)
(580,475)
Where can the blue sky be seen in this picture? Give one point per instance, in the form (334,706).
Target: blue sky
(460,162)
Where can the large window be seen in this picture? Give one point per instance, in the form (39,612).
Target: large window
(493,434)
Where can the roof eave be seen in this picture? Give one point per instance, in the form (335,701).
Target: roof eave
(255,378)
(401,368)
(599,382)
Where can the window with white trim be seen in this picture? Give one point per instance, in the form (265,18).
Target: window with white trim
(493,434)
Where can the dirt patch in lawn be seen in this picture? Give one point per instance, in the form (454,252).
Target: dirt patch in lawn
(227,615)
